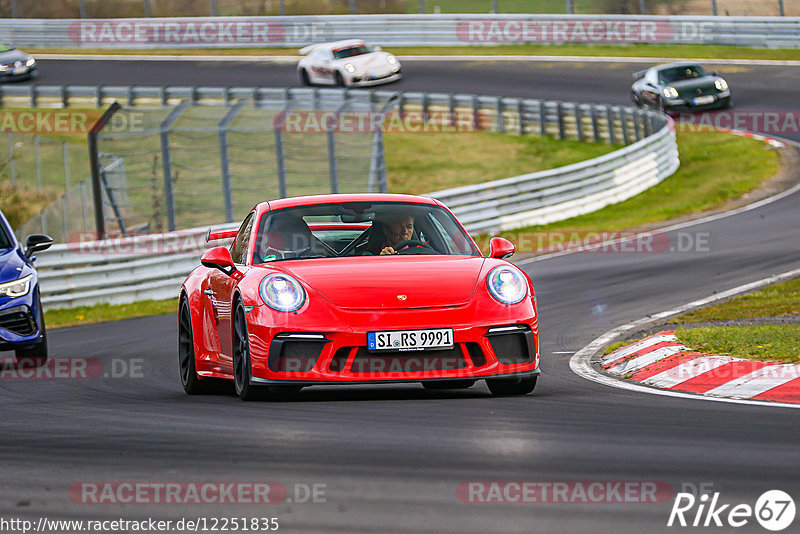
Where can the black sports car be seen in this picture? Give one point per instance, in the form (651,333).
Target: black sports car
(680,87)
(16,64)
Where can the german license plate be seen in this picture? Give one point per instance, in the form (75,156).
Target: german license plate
(403,340)
(701,100)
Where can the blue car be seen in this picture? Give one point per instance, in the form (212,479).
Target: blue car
(21,316)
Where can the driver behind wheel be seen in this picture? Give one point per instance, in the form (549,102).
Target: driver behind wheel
(397,229)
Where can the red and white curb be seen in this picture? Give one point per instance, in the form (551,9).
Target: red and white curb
(769,140)
(660,361)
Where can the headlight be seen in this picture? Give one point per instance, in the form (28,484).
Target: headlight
(391,60)
(721,84)
(507,284)
(349,67)
(4,68)
(30,62)
(670,92)
(282,292)
(17,288)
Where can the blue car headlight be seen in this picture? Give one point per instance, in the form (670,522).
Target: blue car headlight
(282,292)
(506,284)
(17,288)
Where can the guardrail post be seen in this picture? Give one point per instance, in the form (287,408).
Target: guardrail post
(451,109)
(578,123)
(476,114)
(595,125)
(637,128)
(521,116)
(626,134)
(612,135)
(646,121)
(98,96)
(780,8)
(501,127)
(169,197)
(561,129)
(330,132)
(193,94)
(542,119)
(131,97)
(227,194)
(94,162)
(279,156)
(64,97)
(315,99)
(33,95)
(424,108)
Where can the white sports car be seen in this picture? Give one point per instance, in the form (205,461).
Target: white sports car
(347,63)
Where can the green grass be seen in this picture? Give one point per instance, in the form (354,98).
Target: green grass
(592,50)
(773,300)
(426,162)
(61,318)
(777,343)
(711,186)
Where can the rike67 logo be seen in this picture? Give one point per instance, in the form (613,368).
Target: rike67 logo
(774,510)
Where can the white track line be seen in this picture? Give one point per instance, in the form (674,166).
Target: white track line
(581,365)
(523,58)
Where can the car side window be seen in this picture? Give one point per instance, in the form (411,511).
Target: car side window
(239,245)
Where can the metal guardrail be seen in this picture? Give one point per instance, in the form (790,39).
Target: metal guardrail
(401,30)
(152,266)
(557,194)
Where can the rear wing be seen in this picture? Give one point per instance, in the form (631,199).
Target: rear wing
(639,75)
(213,235)
(308,49)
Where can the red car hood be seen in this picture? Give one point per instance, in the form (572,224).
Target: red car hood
(381,282)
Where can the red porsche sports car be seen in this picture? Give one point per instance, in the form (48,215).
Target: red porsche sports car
(367,288)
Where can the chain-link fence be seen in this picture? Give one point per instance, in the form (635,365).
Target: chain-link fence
(225,8)
(190,165)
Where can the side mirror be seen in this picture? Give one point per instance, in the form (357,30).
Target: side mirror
(37,243)
(219,258)
(715,73)
(501,248)
(376,48)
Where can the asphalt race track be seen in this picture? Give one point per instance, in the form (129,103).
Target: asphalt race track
(391,458)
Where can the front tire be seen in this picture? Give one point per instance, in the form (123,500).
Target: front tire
(504,387)
(304,79)
(241,358)
(35,354)
(191,382)
(339,79)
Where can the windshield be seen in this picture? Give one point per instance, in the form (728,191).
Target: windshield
(5,242)
(686,72)
(351,51)
(359,229)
